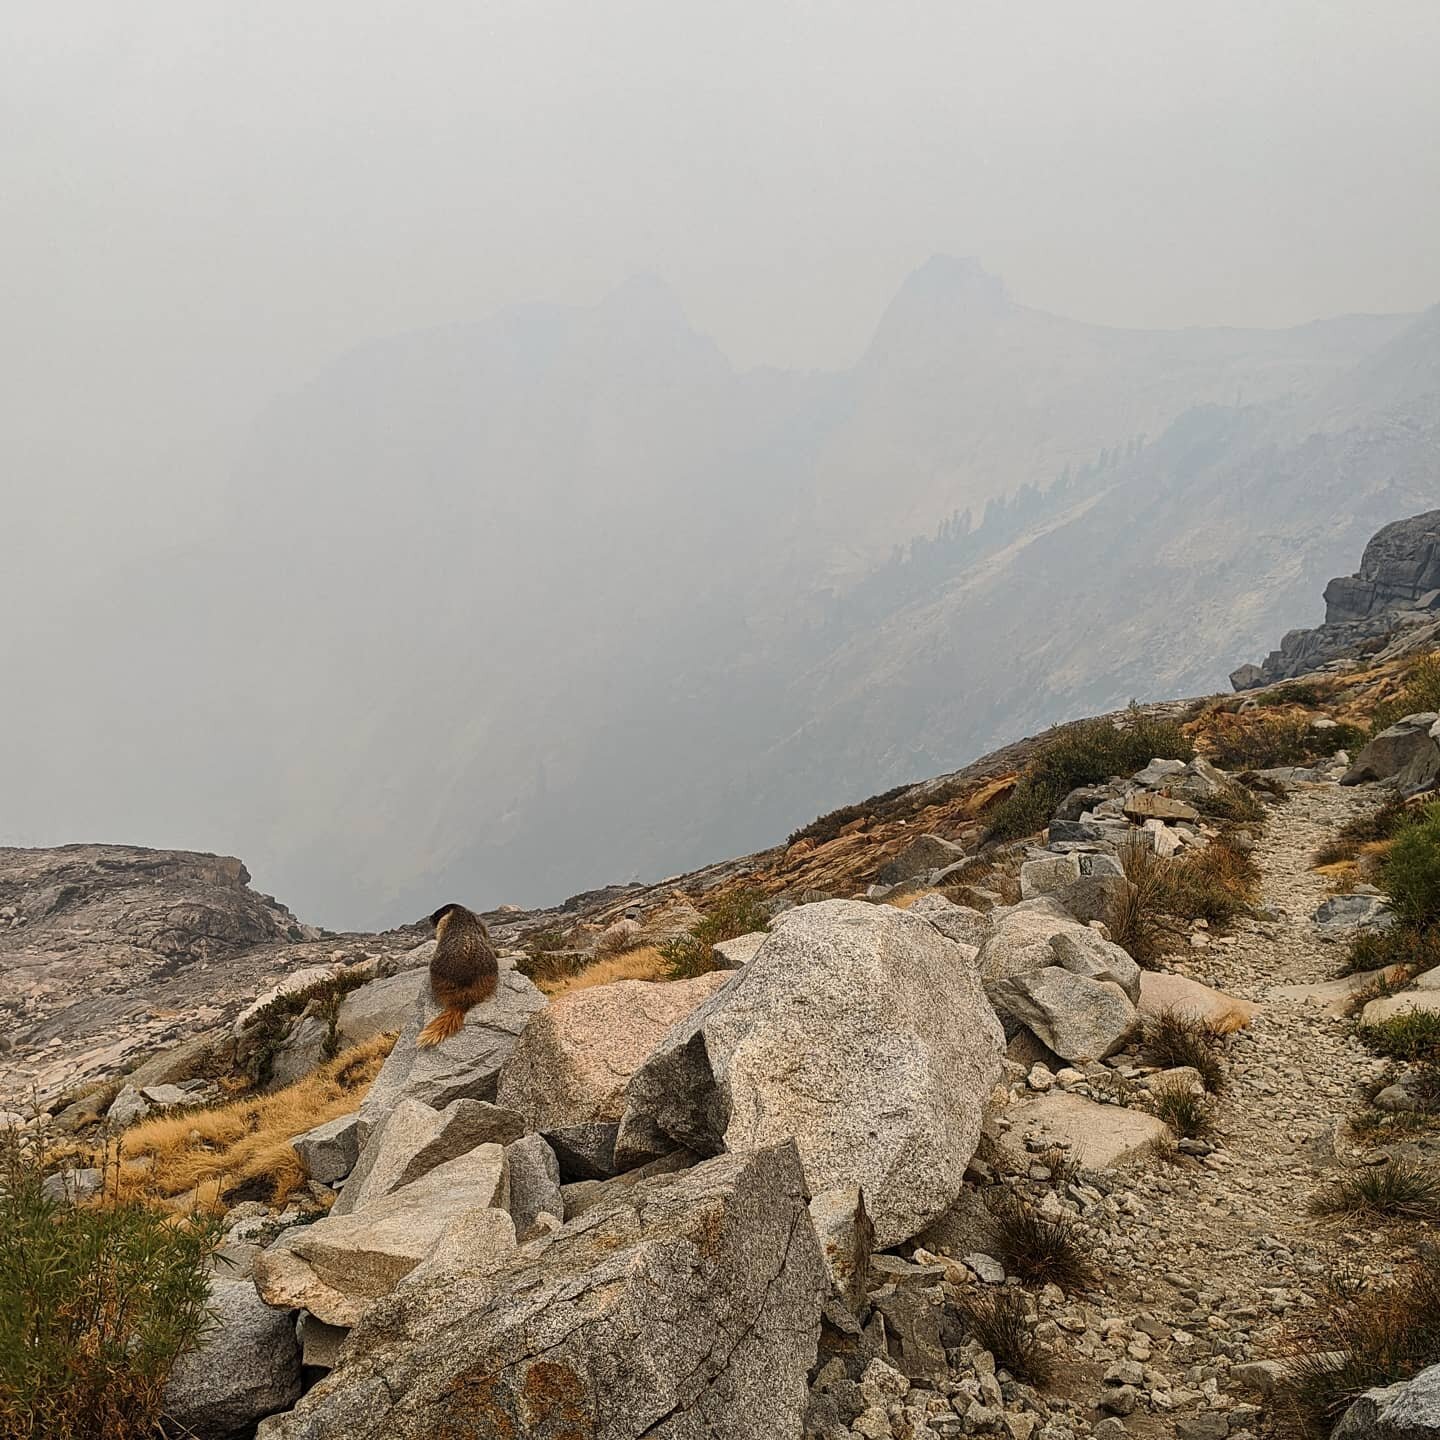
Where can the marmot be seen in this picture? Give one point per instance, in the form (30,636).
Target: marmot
(463,970)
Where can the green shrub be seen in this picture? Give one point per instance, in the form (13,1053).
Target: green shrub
(1416,950)
(1293,694)
(1082,754)
(270,1026)
(1364,1337)
(1410,874)
(1421,692)
(96,1305)
(1268,741)
(828,826)
(1414,1036)
(741,912)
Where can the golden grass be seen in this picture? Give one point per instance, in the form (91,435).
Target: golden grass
(646,963)
(904,902)
(197,1158)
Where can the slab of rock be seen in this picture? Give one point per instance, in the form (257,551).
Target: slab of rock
(415,1139)
(534,1184)
(855,1031)
(1392,750)
(959,923)
(322,1346)
(329,1151)
(1142,805)
(1040,932)
(846,1239)
(1161,990)
(966,1226)
(572,1064)
(1077,1017)
(685,1308)
(1087,886)
(1408,1002)
(1343,917)
(127,1108)
(1100,1137)
(920,857)
(1409,1410)
(582,1195)
(248,1366)
(732,954)
(466,1066)
(380,1008)
(339,1266)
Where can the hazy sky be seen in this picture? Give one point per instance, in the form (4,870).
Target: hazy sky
(203,202)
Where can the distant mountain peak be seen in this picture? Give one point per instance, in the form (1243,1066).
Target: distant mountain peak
(946,299)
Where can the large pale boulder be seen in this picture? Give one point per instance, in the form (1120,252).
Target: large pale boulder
(415,1138)
(381,1007)
(339,1266)
(329,1151)
(922,855)
(855,1029)
(1100,1137)
(247,1367)
(1079,1018)
(959,923)
(1410,741)
(576,1056)
(1040,932)
(686,1308)
(1408,1410)
(1408,1002)
(466,1066)
(1162,990)
(534,1183)
(1086,886)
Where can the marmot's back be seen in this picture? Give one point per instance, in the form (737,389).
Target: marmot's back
(463,970)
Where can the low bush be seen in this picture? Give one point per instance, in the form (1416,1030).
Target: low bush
(1234,803)
(1189,1115)
(1363,830)
(828,826)
(740,912)
(1416,950)
(268,1029)
(1413,1036)
(1264,742)
(1000,1320)
(1176,1037)
(96,1305)
(1410,873)
(1397,1188)
(1039,1249)
(1082,754)
(1419,692)
(1215,883)
(1364,1338)
(1293,694)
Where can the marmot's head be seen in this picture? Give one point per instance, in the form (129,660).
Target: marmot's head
(442,912)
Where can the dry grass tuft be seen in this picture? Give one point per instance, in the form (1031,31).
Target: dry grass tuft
(1397,1188)
(1040,1249)
(202,1158)
(1189,1115)
(645,963)
(1176,1037)
(1001,1321)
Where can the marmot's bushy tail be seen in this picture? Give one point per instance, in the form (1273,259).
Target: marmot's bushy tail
(442,1027)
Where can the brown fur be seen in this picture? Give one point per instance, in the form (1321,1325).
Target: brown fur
(463,970)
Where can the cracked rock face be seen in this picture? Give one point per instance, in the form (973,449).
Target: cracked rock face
(858,1029)
(686,1309)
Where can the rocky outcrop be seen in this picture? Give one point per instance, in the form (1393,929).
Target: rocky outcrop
(576,1056)
(1407,752)
(1409,1410)
(467,1066)
(247,1367)
(857,1029)
(337,1267)
(1398,584)
(687,1306)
